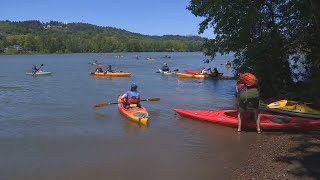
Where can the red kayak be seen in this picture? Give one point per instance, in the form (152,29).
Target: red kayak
(195,72)
(267,121)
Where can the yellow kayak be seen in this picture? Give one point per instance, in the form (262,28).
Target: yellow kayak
(114,74)
(293,108)
(197,76)
(136,114)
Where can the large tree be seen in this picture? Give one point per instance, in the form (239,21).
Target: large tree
(264,35)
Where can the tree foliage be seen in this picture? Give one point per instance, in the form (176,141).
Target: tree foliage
(58,37)
(271,38)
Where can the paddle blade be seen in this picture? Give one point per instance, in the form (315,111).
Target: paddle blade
(153,99)
(176,70)
(277,104)
(101,105)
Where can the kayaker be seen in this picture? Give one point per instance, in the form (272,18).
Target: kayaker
(99,68)
(204,71)
(109,68)
(247,98)
(165,67)
(215,72)
(34,68)
(228,63)
(131,97)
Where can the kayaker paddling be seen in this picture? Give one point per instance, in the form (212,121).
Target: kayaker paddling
(204,71)
(165,67)
(131,97)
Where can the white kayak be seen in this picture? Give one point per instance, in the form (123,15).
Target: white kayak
(167,72)
(39,73)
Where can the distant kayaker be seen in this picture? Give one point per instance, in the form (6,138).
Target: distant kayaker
(34,68)
(165,67)
(206,61)
(247,98)
(99,68)
(228,63)
(204,71)
(109,68)
(131,97)
(215,72)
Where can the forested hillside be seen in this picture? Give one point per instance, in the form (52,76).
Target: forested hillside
(57,37)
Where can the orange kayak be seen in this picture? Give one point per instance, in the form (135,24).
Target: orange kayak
(207,76)
(197,76)
(115,74)
(136,114)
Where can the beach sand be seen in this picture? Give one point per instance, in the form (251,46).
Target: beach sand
(282,156)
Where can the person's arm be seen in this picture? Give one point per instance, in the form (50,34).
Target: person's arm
(123,97)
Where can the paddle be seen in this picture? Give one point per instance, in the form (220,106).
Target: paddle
(278,104)
(37,69)
(106,104)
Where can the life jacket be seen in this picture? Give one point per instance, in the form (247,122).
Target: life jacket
(133,97)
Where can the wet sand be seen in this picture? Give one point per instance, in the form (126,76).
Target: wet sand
(282,156)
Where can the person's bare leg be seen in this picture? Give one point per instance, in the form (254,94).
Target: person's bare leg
(257,116)
(239,120)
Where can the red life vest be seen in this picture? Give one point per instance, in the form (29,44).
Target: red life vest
(133,98)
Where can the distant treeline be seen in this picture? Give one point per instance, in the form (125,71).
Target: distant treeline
(57,37)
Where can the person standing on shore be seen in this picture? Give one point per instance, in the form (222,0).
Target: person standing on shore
(247,98)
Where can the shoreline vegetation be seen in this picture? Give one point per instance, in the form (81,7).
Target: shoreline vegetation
(35,37)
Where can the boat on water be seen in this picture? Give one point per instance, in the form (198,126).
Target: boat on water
(167,72)
(39,73)
(203,76)
(134,113)
(111,74)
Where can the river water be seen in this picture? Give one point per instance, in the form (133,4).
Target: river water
(49,128)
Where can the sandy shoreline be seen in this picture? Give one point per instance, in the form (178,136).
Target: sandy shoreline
(282,156)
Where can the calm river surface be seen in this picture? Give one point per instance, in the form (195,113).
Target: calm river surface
(49,128)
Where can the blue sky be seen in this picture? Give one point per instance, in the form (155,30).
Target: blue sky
(149,17)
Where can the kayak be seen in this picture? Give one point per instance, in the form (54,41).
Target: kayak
(167,72)
(151,59)
(39,73)
(93,64)
(202,76)
(294,109)
(267,121)
(197,76)
(114,74)
(136,114)
(192,71)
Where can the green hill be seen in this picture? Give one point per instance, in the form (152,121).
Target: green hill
(57,37)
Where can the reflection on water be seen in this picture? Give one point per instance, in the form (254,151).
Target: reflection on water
(51,130)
